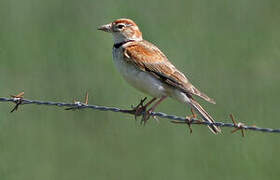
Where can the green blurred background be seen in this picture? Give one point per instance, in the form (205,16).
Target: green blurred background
(51,50)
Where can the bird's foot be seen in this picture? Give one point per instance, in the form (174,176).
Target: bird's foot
(138,110)
(146,116)
(141,110)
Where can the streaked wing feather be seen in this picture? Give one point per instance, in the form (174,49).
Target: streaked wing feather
(148,57)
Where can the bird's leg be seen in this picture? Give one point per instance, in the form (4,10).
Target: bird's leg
(194,116)
(148,113)
(189,119)
(140,108)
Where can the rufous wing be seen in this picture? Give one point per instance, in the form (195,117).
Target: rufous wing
(148,57)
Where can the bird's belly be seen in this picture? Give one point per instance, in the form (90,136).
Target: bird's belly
(141,80)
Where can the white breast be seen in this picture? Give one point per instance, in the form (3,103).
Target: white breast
(141,80)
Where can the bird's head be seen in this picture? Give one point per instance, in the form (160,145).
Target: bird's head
(123,30)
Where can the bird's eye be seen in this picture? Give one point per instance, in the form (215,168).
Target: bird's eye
(120,26)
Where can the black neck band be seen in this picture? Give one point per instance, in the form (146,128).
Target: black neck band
(117,45)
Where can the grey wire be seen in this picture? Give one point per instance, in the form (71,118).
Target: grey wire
(178,119)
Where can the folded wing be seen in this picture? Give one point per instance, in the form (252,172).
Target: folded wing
(148,57)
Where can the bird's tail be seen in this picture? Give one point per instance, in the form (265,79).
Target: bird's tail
(204,115)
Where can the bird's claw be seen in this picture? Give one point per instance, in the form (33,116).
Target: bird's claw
(140,108)
(146,116)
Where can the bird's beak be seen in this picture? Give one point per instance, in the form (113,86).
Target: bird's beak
(106,27)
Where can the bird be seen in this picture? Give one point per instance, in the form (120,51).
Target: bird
(145,67)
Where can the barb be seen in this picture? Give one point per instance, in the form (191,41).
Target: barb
(19,101)
(79,104)
(238,126)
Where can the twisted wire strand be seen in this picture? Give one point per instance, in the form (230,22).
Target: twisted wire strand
(176,119)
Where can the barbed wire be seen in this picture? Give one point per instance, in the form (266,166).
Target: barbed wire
(19,100)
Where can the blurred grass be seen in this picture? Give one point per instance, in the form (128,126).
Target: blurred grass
(52,50)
